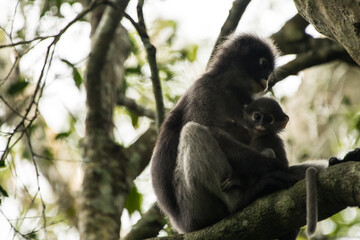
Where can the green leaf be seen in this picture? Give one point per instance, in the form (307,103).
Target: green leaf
(62,135)
(134,119)
(3,192)
(190,52)
(17,87)
(75,72)
(2,164)
(134,201)
(133,70)
(48,153)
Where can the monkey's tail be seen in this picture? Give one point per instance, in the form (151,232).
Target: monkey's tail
(311,201)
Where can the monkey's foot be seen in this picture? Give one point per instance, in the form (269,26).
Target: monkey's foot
(230,183)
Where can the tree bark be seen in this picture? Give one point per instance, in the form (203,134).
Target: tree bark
(105,186)
(339,20)
(280,212)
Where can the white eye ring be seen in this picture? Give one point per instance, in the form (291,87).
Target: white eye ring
(256,116)
(264,64)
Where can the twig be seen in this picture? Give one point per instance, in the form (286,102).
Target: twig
(38,182)
(13,227)
(40,39)
(11,108)
(237,10)
(134,107)
(40,84)
(151,57)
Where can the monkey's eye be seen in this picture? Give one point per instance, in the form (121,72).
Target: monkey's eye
(256,116)
(264,64)
(269,119)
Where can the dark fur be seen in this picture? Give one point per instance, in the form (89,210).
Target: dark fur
(233,77)
(268,137)
(194,152)
(264,119)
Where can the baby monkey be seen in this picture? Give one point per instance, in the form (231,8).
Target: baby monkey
(264,118)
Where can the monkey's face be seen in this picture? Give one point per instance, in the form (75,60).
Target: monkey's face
(262,124)
(265,116)
(258,60)
(260,66)
(246,58)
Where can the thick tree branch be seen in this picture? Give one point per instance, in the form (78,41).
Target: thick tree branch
(138,154)
(237,10)
(339,20)
(148,226)
(309,59)
(292,39)
(278,213)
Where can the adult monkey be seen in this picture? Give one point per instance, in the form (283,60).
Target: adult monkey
(197,150)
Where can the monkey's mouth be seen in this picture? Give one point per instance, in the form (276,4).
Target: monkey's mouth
(260,130)
(261,85)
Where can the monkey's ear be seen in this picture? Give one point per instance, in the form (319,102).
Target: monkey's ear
(284,123)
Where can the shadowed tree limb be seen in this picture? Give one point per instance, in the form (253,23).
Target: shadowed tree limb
(292,39)
(278,213)
(148,226)
(310,59)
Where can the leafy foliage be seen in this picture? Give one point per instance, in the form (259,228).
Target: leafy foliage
(17,87)
(134,201)
(78,80)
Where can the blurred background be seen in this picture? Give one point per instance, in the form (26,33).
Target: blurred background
(41,168)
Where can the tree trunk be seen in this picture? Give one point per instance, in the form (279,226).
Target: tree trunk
(105,187)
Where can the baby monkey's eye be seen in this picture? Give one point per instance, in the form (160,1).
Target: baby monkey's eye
(256,116)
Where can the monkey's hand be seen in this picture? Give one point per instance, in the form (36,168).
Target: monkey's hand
(352,156)
(230,183)
(268,152)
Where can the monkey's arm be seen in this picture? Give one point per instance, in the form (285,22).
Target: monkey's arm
(353,156)
(242,158)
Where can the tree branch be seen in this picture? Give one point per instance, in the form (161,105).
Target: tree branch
(292,39)
(309,59)
(237,10)
(281,212)
(340,22)
(130,104)
(148,226)
(139,154)
(151,57)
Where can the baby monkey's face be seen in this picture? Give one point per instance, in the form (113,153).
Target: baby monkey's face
(264,116)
